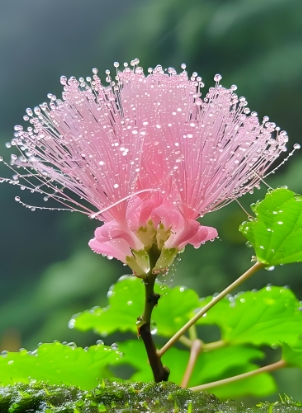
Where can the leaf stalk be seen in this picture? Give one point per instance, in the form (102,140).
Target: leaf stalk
(270,367)
(256,267)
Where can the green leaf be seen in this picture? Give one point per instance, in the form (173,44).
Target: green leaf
(126,302)
(57,363)
(228,362)
(260,385)
(210,366)
(134,353)
(174,309)
(276,232)
(267,316)
(224,362)
(292,355)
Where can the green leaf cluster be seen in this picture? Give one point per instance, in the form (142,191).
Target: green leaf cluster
(246,322)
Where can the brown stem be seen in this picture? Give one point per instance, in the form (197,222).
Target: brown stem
(160,372)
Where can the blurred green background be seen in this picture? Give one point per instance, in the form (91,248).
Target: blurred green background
(47,270)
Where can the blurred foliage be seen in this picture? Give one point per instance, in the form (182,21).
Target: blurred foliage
(254,44)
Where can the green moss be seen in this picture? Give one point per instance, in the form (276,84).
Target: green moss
(38,397)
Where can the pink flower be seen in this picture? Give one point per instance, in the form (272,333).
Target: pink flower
(148,154)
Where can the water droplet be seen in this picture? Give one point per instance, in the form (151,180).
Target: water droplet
(71,323)
(114,346)
(153,327)
(100,342)
(269,269)
(129,302)
(110,293)
(297,146)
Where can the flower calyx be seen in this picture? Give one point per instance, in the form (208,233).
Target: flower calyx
(154,257)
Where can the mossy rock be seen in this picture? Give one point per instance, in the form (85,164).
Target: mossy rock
(112,397)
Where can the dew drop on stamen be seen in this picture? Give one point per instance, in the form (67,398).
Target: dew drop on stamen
(217,78)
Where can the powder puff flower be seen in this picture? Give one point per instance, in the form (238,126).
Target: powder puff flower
(147,156)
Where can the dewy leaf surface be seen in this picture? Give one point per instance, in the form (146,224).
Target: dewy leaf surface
(276,232)
(267,316)
(56,363)
(126,303)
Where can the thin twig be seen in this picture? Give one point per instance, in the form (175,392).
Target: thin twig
(214,345)
(206,308)
(185,341)
(195,351)
(271,367)
(193,333)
